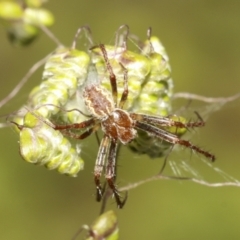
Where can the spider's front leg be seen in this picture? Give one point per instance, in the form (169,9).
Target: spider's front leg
(111,173)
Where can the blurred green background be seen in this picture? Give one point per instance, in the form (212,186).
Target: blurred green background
(202,39)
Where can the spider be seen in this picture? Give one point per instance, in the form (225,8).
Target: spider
(119,125)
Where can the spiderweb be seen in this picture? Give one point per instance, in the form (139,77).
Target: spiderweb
(183,165)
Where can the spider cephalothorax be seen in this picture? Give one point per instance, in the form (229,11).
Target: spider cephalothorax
(119,125)
(115,122)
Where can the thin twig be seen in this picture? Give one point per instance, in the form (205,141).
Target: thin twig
(18,87)
(50,35)
(193,96)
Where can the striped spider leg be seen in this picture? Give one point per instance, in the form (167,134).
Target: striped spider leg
(120,126)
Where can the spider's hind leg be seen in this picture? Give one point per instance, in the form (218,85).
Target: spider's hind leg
(117,196)
(111,174)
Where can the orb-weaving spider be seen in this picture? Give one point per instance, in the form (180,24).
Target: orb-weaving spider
(119,125)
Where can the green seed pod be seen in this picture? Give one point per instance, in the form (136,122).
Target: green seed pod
(104,228)
(64,72)
(21,34)
(41,144)
(22,22)
(35,17)
(155,96)
(155,99)
(10,11)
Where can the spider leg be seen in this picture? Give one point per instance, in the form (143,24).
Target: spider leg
(110,173)
(102,152)
(149,34)
(112,76)
(83,124)
(125,89)
(165,122)
(119,40)
(81,136)
(88,34)
(171,138)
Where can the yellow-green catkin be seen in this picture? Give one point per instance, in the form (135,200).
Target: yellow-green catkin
(22,20)
(64,72)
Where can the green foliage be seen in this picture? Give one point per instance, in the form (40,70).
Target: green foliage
(191,39)
(64,71)
(23,20)
(41,144)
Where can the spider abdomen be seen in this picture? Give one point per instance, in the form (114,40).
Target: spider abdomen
(98,101)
